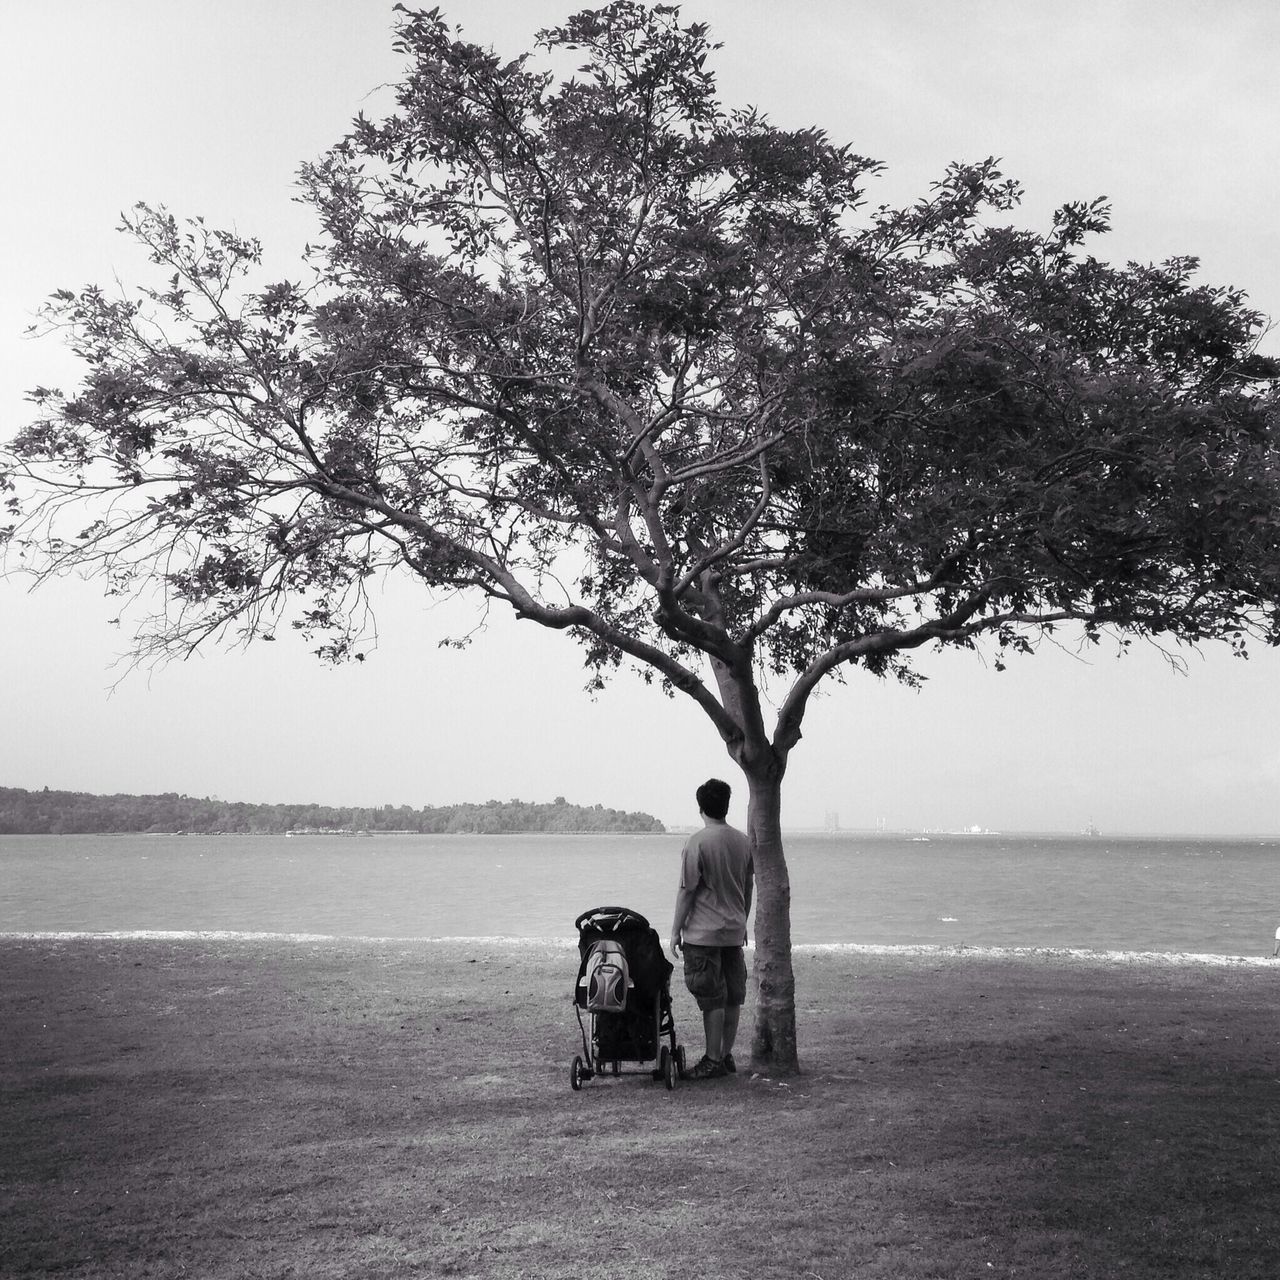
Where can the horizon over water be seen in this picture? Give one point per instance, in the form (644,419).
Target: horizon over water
(1201,896)
(1012,833)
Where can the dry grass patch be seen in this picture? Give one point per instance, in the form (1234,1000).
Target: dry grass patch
(259,1109)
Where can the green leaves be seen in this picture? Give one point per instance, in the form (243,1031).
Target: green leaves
(643,367)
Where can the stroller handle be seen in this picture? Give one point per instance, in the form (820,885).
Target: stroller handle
(611,918)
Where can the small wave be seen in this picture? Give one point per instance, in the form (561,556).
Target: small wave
(955,950)
(1036,953)
(241,935)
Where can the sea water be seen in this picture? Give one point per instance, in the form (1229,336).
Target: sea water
(1218,896)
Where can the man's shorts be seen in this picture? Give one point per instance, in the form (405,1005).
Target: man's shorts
(716,976)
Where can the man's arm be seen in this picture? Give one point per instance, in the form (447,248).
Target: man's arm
(684,904)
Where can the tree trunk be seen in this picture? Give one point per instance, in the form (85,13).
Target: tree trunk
(773,1045)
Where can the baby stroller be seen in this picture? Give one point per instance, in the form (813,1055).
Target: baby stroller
(623,990)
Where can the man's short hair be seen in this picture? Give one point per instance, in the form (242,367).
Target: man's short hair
(713,798)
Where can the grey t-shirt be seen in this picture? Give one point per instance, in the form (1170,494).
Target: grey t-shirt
(717,867)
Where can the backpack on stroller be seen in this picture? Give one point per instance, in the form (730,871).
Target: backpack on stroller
(623,989)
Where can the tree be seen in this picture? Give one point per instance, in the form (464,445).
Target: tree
(648,370)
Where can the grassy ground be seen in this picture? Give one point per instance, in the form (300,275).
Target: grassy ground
(235,1109)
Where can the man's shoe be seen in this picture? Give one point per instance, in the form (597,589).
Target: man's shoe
(729,1065)
(707,1069)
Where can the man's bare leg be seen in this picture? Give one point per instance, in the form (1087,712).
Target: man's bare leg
(714,1026)
(730,1033)
(720,1026)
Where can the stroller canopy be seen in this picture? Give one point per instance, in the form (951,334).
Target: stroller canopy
(649,968)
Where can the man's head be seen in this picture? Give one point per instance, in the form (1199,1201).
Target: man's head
(713,799)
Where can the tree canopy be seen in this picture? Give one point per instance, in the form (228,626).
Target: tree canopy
(654,371)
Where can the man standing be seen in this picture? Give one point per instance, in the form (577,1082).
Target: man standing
(710,925)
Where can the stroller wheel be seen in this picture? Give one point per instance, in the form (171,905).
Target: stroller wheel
(667,1066)
(578,1073)
(679,1056)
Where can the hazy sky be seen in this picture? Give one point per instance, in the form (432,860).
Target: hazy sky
(1169,108)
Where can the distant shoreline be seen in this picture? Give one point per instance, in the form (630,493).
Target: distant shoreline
(62,813)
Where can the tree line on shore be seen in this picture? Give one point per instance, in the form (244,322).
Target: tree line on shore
(48,812)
